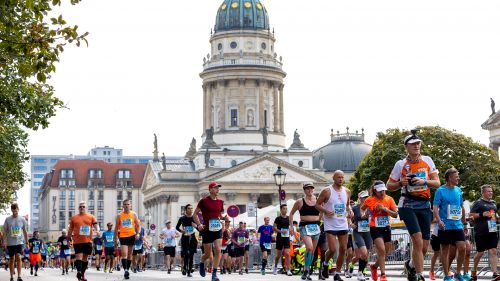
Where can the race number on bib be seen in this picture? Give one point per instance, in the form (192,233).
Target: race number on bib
(36,249)
(15,231)
(267,246)
(65,242)
(109,238)
(420,175)
(363,226)
(381,221)
(98,247)
(85,230)
(224,247)
(492,226)
(137,247)
(127,223)
(454,212)
(285,232)
(312,229)
(241,239)
(67,252)
(189,230)
(214,225)
(339,211)
(170,241)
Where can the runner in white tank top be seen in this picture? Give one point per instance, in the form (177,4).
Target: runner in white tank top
(333,202)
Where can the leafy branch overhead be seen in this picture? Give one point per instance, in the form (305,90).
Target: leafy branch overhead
(30,46)
(476,163)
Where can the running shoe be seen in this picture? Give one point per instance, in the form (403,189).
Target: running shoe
(11,278)
(184,272)
(459,277)
(467,276)
(361,276)
(79,275)
(19,279)
(411,274)
(263,271)
(496,277)
(431,275)
(189,274)
(382,277)
(289,273)
(241,272)
(324,272)
(246,270)
(420,277)
(31,271)
(202,269)
(448,278)
(304,275)
(36,273)
(337,277)
(126,275)
(347,274)
(351,268)
(275,271)
(373,269)
(62,272)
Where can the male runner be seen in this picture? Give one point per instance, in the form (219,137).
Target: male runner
(127,230)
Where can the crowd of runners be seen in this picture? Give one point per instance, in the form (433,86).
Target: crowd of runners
(335,231)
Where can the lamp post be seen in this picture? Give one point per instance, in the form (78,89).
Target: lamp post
(279,180)
(147,216)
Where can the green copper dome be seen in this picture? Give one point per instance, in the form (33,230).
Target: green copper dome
(241,14)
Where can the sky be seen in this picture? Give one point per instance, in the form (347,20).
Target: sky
(363,64)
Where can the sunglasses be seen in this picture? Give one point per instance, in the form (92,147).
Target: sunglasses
(81,207)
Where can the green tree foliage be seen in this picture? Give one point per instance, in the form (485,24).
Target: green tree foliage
(30,45)
(476,163)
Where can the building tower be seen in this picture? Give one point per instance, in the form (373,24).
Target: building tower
(243,81)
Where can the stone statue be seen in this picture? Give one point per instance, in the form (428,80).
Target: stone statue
(155,143)
(250,118)
(297,144)
(492,106)
(192,150)
(220,122)
(164,162)
(264,136)
(207,158)
(209,140)
(210,133)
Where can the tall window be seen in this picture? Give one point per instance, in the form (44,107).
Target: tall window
(62,220)
(91,195)
(62,204)
(71,195)
(100,195)
(265,118)
(67,174)
(100,205)
(234,117)
(129,195)
(62,195)
(71,205)
(123,174)
(91,205)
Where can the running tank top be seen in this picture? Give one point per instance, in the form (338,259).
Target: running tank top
(336,203)
(127,224)
(307,210)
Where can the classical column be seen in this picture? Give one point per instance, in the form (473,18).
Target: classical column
(210,113)
(275,198)
(242,113)
(205,110)
(230,197)
(276,108)
(223,105)
(282,119)
(261,104)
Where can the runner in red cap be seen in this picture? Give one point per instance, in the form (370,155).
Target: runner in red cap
(211,208)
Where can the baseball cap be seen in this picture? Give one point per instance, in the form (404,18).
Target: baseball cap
(412,139)
(213,184)
(363,194)
(380,187)
(308,185)
(168,222)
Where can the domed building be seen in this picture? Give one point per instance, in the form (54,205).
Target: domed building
(344,152)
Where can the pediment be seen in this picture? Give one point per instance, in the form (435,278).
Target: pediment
(261,170)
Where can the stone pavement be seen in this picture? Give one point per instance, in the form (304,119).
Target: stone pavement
(48,274)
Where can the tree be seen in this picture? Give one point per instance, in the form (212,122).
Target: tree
(30,45)
(476,163)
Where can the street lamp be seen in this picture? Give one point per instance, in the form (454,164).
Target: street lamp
(147,216)
(279,180)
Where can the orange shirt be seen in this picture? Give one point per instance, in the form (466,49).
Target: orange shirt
(81,226)
(126,224)
(372,201)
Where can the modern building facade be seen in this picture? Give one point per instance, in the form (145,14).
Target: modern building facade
(101,184)
(42,164)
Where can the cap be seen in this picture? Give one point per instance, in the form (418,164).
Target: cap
(412,139)
(363,194)
(308,185)
(380,187)
(213,184)
(168,222)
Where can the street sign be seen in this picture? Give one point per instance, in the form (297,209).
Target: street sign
(251,211)
(152,226)
(233,211)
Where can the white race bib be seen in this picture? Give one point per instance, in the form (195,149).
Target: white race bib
(85,230)
(381,221)
(363,226)
(214,225)
(127,223)
(339,211)
(36,249)
(267,246)
(312,229)
(67,252)
(15,231)
(224,247)
(492,226)
(285,232)
(137,247)
(454,212)
(189,230)
(98,247)
(170,241)
(65,242)
(109,238)
(420,175)
(241,239)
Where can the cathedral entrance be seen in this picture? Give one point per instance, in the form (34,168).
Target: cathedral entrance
(264,200)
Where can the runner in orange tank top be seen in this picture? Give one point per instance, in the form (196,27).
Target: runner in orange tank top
(127,229)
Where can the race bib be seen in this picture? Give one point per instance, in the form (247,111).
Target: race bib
(339,211)
(214,225)
(98,247)
(36,249)
(420,175)
(363,226)
(224,248)
(241,239)
(492,226)
(85,230)
(72,251)
(381,221)
(65,242)
(15,231)
(137,247)
(109,238)
(312,229)
(454,212)
(67,252)
(127,223)
(189,230)
(267,246)
(285,232)
(170,241)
